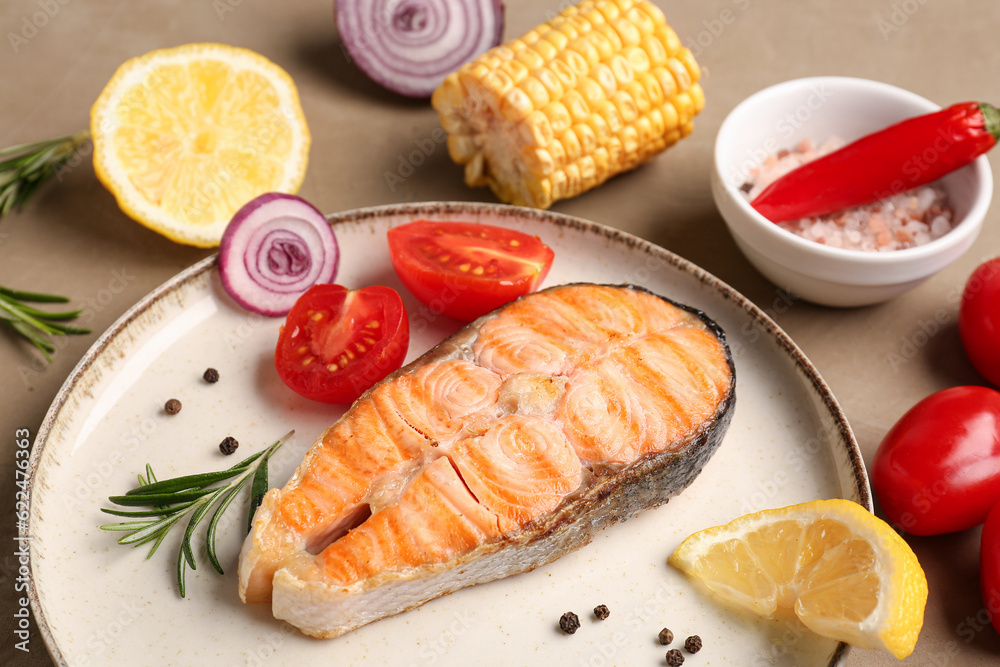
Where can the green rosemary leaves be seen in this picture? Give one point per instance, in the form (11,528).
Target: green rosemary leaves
(196,496)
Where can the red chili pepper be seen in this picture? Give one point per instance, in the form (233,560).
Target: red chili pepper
(903,156)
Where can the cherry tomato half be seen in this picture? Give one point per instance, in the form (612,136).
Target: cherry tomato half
(938,469)
(989,566)
(336,343)
(979,319)
(466,269)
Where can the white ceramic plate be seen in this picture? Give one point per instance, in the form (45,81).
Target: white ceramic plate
(98,603)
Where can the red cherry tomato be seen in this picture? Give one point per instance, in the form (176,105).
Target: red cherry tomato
(336,343)
(979,319)
(938,469)
(466,269)
(989,566)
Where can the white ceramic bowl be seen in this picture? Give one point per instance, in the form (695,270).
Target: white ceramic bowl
(817,108)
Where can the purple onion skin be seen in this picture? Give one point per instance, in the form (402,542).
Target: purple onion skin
(283,257)
(357,52)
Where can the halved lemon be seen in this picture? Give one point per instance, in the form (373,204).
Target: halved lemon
(844,572)
(183,137)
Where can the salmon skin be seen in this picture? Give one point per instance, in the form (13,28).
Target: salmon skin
(508,445)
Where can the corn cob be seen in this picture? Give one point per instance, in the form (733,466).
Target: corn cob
(600,89)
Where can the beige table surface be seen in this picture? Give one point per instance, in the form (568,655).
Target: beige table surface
(72,239)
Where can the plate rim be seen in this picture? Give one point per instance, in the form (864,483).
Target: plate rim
(422,209)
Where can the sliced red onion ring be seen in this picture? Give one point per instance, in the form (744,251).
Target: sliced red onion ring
(409,46)
(275,248)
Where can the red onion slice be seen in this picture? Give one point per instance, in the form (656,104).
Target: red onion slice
(275,248)
(409,46)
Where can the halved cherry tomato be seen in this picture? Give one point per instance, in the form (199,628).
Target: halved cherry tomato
(336,343)
(979,319)
(938,469)
(466,269)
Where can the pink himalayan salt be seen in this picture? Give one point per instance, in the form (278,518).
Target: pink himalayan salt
(905,220)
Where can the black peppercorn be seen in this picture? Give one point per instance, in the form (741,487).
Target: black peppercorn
(569,623)
(692,644)
(601,612)
(675,657)
(228,445)
(211,376)
(172,407)
(666,636)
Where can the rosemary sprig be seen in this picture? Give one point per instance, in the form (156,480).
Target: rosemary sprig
(34,324)
(27,166)
(171,500)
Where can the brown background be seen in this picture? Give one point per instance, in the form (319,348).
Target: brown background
(72,239)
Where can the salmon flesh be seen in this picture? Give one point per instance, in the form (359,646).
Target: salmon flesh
(508,445)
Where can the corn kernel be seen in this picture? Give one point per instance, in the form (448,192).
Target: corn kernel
(553,86)
(637,58)
(497,83)
(638,95)
(627,108)
(567,77)
(611,115)
(697,97)
(535,91)
(584,47)
(591,91)
(540,161)
(690,64)
(622,70)
(575,62)
(656,54)
(515,70)
(643,21)
(573,181)
(558,154)
(685,109)
(609,10)
(559,185)
(559,117)
(462,147)
(607,40)
(680,73)
(576,105)
(529,58)
(630,35)
(597,123)
(545,50)
(474,170)
(665,78)
(670,120)
(658,122)
(571,145)
(671,42)
(558,40)
(652,88)
(587,137)
(516,104)
(536,129)
(588,170)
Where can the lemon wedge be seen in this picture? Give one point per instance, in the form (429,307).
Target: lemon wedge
(183,137)
(844,572)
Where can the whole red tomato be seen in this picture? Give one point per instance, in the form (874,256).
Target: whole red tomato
(938,469)
(979,319)
(989,566)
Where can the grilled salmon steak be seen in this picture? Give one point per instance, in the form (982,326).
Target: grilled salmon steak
(505,447)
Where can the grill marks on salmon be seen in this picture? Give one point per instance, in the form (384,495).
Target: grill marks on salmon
(508,445)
